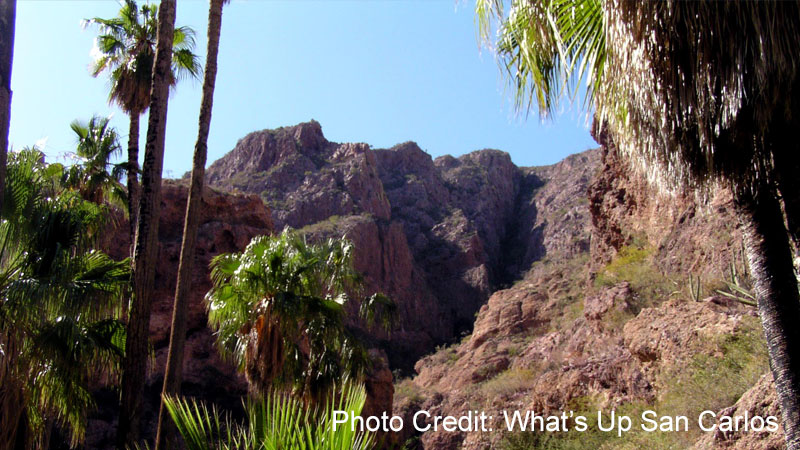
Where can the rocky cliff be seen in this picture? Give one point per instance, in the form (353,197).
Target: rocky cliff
(437,235)
(621,311)
(575,286)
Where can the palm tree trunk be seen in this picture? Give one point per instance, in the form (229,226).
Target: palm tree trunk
(172,377)
(8,13)
(134,365)
(133,173)
(770,259)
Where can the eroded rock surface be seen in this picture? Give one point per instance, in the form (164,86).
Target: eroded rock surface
(438,236)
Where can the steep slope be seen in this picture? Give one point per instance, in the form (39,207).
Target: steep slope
(438,236)
(606,320)
(574,286)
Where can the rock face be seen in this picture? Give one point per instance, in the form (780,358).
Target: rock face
(228,223)
(571,279)
(761,401)
(552,341)
(438,236)
(701,237)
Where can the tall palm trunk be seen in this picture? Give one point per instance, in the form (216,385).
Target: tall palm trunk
(177,339)
(8,13)
(133,173)
(770,259)
(134,365)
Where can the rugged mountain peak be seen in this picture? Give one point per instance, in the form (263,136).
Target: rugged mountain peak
(262,150)
(602,317)
(309,135)
(433,234)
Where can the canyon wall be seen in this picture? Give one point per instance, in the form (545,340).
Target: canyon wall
(436,235)
(575,285)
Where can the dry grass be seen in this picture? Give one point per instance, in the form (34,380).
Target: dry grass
(508,383)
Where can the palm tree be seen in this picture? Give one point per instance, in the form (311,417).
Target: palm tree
(94,175)
(8,14)
(276,421)
(146,243)
(126,50)
(177,337)
(59,304)
(698,94)
(278,309)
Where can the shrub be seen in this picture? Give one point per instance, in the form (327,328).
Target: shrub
(509,382)
(714,381)
(634,265)
(407,390)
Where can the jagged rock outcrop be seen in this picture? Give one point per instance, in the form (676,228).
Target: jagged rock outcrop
(526,354)
(519,257)
(760,401)
(438,236)
(227,224)
(690,236)
(552,339)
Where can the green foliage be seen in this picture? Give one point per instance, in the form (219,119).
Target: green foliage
(59,302)
(279,311)
(328,225)
(509,382)
(278,421)
(738,285)
(126,50)
(695,288)
(447,354)
(714,378)
(630,264)
(633,264)
(547,48)
(93,174)
(407,390)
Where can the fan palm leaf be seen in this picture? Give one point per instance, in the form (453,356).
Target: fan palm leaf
(277,421)
(126,50)
(278,311)
(94,174)
(59,304)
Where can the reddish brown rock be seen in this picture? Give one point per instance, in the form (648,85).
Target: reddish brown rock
(443,236)
(227,224)
(380,393)
(437,236)
(679,329)
(619,297)
(690,235)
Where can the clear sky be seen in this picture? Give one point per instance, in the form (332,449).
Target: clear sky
(381,72)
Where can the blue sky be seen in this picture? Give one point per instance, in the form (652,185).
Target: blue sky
(380,72)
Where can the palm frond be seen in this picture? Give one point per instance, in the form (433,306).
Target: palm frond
(59,298)
(278,421)
(126,45)
(278,311)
